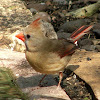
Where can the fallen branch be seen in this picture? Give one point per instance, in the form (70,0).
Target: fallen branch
(85,11)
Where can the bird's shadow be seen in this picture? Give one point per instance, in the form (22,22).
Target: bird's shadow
(34,80)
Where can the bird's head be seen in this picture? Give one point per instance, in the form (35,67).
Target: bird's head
(33,35)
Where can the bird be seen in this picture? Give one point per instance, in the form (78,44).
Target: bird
(49,56)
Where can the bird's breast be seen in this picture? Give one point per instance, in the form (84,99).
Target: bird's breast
(48,63)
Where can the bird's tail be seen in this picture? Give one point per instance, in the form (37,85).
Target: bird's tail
(80,32)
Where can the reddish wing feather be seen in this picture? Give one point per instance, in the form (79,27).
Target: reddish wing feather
(75,36)
(69,52)
(80,32)
(76,32)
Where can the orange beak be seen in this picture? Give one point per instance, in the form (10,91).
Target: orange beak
(20,36)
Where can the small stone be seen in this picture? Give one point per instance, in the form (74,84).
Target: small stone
(43,15)
(98,48)
(17,74)
(89,47)
(96,41)
(37,6)
(96,30)
(86,42)
(88,59)
(98,17)
(62,2)
(74,76)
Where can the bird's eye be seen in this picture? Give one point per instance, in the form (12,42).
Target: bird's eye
(28,36)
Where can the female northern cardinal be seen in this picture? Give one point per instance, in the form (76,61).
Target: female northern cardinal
(49,56)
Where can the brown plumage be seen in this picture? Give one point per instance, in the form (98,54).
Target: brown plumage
(49,56)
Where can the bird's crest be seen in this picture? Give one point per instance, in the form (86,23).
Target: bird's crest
(35,23)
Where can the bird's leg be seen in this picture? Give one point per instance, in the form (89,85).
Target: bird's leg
(60,78)
(42,79)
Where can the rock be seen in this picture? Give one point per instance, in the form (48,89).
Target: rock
(96,41)
(62,2)
(48,2)
(63,35)
(1,36)
(86,42)
(96,30)
(49,30)
(89,71)
(98,17)
(90,44)
(10,18)
(50,93)
(43,15)
(4,43)
(10,21)
(16,44)
(36,6)
(89,47)
(71,26)
(98,48)
(33,11)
